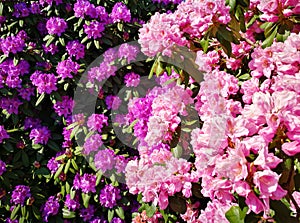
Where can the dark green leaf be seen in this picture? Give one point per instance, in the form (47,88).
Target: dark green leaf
(177,204)
(25,158)
(282,213)
(269,40)
(225,33)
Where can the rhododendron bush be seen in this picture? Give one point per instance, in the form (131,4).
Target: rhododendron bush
(150,111)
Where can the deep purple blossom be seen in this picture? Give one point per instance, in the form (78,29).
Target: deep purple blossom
(120,13)
(12,44)
(113,102)
(26,93)
(52,48)
(76,181)
(87,213)
(92,144)
(50,208)
(94,29)
(30,123)
(105,160)
(104,71)
(45,83)
(72,204)
(109,196)
(35,8)
(96,122)
(64,107)
(56,25)
(3,134)
(128,51)
(132,79)
(2,167)
(11,105)
(40,135)
(80,8)
(21,10)
(50,2)
(117,220)
(76,49)
(19,194)
(88,183)
(67,68)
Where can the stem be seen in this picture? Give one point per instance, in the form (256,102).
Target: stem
(295,204)
(248,41)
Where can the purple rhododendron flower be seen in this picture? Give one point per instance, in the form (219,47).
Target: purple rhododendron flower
(19,194)
(94,29)
(3,134)
(40,135)
(56,25)
(2,167)
(64,107)
(50,208)
(120,13)
(76,49)
(109,196)
(105,160)
(45,83)
(87,213)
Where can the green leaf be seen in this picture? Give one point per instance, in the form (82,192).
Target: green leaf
(25,158)
(244,77)
(269,40)
(150,210)
(244,3)
(153,69)
(225,33)
(236,215)
(50,40)
(232,4)
(62,41)
(74,164)
(68,214)
(86,199)
(59,170)
(21,23)
(110,215)
(1,8)
(53,145)
(15,61)
(177,204)
(120,213)
(120,27)
(8,147)
(36,212)
(15,211)
(97,44)
(204,43)
(40,99)
(226,45)
(282,213)
(177,151)
(67,166)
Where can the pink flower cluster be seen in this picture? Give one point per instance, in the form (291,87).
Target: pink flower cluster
(231,134)
(273,10)
(192,17)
